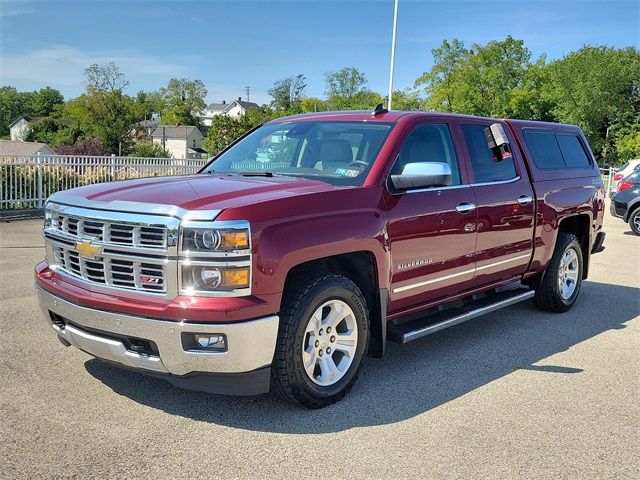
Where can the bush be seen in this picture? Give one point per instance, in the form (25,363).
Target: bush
(92,146)
(149,150)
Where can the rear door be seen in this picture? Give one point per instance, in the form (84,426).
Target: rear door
(505,203)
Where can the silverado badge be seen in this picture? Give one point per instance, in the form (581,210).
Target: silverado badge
(87,249)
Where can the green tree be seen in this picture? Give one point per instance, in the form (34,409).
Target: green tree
(183,98)
(149,150)
(104,111)
(12,105)
(442,82)
(54,132)
(45,101)
(365,100)
(287,94)
(494,80)
(598,88)
(223,131)
(342,87)
(312,104)
(405,100)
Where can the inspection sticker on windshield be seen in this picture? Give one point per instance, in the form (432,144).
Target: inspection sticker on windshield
(345,172)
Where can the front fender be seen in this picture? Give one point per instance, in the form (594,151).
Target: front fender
(284,245)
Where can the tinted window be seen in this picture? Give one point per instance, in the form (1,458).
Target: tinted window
(572,151)
(485,169)
(544,149)
(429,143)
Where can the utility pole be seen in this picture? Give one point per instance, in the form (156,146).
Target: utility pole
(393,52)
(246,91)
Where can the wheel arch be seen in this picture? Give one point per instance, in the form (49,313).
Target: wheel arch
(580,226)
(361,268)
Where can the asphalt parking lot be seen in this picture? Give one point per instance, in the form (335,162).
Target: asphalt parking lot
(516,394)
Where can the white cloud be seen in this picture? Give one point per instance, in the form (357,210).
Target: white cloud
(63,66)
(15,7)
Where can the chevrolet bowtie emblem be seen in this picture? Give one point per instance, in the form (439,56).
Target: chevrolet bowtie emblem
(86,248)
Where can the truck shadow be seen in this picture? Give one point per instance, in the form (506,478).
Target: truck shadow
(411,379)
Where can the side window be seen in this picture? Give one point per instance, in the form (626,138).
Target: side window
(485,168)
(429,143)
(544,149)
(572,151)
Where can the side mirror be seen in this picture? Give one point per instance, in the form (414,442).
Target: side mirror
(422,175)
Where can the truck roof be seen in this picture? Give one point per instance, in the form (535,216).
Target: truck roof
(395,115)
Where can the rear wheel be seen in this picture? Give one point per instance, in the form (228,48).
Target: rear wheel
(634,221)
(322,339)
(561,281)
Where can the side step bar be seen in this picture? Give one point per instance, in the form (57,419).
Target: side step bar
(448,318)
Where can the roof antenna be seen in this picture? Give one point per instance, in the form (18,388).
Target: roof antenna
(379,110)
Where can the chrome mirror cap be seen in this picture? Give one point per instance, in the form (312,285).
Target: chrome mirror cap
(423,175)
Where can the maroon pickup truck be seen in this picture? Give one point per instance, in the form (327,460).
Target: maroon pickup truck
(315,239)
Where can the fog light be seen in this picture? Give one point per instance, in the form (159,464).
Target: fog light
(210,342)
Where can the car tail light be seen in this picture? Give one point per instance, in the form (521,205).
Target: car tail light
(624,184)
(617,177)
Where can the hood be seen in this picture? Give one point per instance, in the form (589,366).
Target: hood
(190,192)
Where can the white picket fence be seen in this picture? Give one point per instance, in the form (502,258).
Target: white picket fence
(26,181)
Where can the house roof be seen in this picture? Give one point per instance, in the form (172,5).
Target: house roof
(247,105)
(196,150)
(217,107)
(174,131)
(225,107)
(8,147)
(27,118)
(149,123)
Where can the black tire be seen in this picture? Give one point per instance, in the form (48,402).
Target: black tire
(288,378)
(634,221)
(548,296)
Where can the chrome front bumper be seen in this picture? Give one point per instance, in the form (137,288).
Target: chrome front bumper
(250,344)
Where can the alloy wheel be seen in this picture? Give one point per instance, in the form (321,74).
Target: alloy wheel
(330,342)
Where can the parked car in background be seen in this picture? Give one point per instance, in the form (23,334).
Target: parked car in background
(624,171)
(625,203)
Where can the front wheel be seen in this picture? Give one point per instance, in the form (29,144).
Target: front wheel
(322,339)
(562,279)
(634,221)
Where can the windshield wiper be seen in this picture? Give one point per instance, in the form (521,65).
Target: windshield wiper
(257,174)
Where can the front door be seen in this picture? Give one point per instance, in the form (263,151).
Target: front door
(432,231)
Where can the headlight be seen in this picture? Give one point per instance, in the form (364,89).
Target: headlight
(199,240)
(213,278)
(215,258)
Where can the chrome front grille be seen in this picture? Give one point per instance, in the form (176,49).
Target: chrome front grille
(125,251)
(115,272)
(110,232)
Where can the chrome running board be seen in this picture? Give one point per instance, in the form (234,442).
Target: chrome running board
(433,323)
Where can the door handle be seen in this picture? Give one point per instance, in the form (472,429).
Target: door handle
(465,207)
(524,200)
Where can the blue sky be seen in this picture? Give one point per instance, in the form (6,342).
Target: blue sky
(232,44)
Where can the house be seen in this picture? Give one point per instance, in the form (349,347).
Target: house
(19,128)
(11,147)
(235,109)
(146,127)
(180,141)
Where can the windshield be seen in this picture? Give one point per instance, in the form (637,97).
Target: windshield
(340,153)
